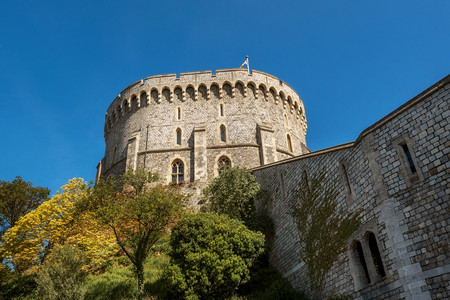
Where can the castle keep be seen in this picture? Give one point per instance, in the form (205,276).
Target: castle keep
(185,127)
(397,173)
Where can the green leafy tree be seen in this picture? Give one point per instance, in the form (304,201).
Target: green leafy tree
(62,275)
(232,193)
(139,215)
(17,198)
(322,229)
(211,256)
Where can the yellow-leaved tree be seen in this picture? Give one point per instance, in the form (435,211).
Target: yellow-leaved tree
(57,222)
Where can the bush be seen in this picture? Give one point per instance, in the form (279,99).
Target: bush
(18,286)
(232,193)
(211,256)
(61,276)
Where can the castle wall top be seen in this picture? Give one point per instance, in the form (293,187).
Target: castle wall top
(206,77)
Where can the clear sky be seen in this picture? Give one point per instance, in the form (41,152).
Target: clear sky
(63,62)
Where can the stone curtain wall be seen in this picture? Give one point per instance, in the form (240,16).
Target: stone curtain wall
(198,104)
(406,211)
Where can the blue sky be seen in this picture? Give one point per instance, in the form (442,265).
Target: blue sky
(63,62)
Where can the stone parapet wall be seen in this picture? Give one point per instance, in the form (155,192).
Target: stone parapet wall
(404,199)
(163,118)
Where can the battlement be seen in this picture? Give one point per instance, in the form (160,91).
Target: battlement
(205,85)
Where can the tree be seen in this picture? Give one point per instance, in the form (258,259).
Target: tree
(17,198)
(232,193)
(137,214)
(323,231)
(62,275)
(56,222)
(211,256)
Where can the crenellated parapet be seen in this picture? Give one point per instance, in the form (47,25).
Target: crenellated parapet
(184,127)
(204,86)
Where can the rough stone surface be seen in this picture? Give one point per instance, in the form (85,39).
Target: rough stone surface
(405,212)
(257,110)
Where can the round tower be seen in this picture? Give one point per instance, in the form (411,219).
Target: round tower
(185,127)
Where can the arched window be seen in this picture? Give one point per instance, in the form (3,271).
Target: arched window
(202,92)
(178,136)
(227,89)
(221,110)
(286,123)
(177,172)
(144,99)
(222,163)
(376,254)
(361,263)
(289,142)
(223,133)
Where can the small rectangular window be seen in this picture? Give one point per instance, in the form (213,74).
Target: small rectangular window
(409,157)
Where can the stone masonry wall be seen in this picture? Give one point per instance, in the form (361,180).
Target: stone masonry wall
(142,122)
(404,200)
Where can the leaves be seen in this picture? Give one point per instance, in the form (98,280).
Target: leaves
(138,212)
(211,255)
(232,193)
(56,222)
(17,198)
(323,231)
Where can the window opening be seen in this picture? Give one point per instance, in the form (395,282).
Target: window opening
(224,162)
(177,172)
(409,157)
(289,142)
(347,180)
(223,137)
(376,255)
(221,110)
(362,261)
(178,136)
(179,113)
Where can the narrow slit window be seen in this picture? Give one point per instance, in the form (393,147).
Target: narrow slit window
(223,134)
(362,261)
(347,180)
(289,142)
(178,136)
(221,110)
(409,157)
(178,113)
(376,255)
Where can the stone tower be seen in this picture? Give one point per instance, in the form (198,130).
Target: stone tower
(184,127)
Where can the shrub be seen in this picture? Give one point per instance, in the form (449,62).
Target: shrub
(19,286)
(211,256)
(232,193)
(61,276)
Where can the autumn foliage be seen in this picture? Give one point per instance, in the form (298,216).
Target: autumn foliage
(57,222)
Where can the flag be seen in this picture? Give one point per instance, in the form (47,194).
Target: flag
(245,62)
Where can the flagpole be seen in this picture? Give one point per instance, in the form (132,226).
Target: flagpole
(248,65)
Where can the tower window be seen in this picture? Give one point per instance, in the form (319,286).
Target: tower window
(289,142)
(178,113)
(347,180)
(376,255)
(179,136)
(221,110)
(409,157)
(177,172)
(223,134)
(223,163)
(362,262)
